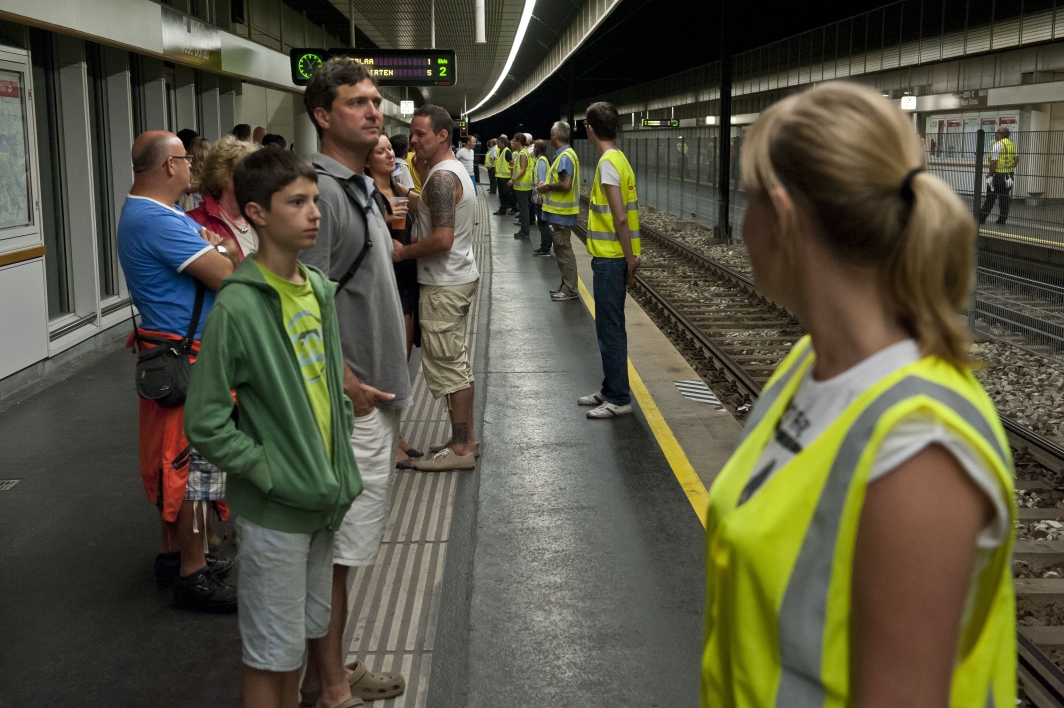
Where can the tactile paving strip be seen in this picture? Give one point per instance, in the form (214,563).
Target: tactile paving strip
(394,603)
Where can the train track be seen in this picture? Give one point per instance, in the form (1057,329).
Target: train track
(719,336)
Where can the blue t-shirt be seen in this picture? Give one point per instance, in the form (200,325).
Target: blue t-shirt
(155,244)
(565,164)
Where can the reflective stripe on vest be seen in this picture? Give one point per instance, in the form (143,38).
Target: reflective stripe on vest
(489,158)
(525,183)
(602,239)
(787,612)
(502,163)
(1007,159)
(565,203)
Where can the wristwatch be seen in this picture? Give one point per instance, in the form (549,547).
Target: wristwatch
(222,249)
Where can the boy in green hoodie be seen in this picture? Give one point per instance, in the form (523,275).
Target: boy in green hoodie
(272,337)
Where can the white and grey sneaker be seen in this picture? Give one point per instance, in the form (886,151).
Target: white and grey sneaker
(593,400)
(609,410)
(562,296)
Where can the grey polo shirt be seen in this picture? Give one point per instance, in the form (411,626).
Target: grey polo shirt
(372,331)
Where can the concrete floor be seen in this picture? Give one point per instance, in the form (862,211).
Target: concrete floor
(581,578)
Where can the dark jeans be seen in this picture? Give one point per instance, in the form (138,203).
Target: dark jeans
(492,183)
(506,194)
(545,236)
(533,217)
(611,277)
(999,190)
(524,203)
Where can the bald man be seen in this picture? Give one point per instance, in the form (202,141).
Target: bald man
(170,264)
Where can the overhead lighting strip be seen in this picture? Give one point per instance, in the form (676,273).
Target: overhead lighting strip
(519,37)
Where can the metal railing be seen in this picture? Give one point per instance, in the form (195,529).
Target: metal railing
(1020,277)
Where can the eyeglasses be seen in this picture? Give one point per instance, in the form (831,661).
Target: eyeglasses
(186,158)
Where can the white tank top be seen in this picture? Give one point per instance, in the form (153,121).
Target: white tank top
(456,266)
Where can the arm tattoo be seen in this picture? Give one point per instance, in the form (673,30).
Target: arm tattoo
(440,195)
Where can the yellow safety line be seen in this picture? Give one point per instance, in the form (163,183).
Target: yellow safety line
(681,467)
(1016,238)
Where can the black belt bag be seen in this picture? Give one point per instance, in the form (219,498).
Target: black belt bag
(163,371)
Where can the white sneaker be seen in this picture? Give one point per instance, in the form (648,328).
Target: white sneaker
(562,296)
(593,400)
(608,410)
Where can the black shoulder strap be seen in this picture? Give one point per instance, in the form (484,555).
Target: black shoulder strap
(367,242)
(197,308)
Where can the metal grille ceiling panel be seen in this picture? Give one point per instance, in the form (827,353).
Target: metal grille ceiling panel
(405,24)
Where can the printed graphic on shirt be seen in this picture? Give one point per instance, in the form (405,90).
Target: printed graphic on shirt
(305,332)
(791,425)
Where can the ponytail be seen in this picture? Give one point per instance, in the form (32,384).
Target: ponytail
(855,163)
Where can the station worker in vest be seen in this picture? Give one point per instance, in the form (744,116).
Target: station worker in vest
(503,172)
(561,205)
(613,242)
(489,163)
(541,166)
(521,183)
(859,540)
(1003,161)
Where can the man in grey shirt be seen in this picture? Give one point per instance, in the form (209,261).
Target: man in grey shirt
(344,103)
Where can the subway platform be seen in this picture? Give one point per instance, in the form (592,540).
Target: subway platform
(566,570)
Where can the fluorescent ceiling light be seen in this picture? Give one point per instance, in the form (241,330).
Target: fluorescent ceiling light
(526,15)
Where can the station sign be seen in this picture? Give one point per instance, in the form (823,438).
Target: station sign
(390,67)
(908,103)
(975,97)
(649,123)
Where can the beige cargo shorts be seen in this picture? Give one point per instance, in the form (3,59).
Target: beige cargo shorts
(442,310)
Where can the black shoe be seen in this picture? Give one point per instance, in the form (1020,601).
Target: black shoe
(500,212)
(1001,221)
(168,566)
(204,592)
(513,212)
(520,235)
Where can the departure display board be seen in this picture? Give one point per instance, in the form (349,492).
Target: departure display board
(391,67)
(648,123)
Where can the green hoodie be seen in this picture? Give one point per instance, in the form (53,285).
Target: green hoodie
(278,474)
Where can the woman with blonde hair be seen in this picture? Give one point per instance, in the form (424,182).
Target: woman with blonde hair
(859,539)
(219,211)
(198,148)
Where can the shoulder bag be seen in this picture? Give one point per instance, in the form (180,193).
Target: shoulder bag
(163,371)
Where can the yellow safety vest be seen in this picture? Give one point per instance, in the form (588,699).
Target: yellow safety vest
(779,564)
(525,183)
(502,163)
(489,158)
(564,203)
(1007,159)
(413,172)
(601,231)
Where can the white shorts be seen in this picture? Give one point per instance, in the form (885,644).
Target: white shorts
(374,442)
(284,593)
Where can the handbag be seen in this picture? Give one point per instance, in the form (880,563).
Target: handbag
(163,371)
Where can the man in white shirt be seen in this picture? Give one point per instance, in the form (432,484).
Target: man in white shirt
(466,157)
(448,275)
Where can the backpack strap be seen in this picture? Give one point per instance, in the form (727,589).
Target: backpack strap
(367,243)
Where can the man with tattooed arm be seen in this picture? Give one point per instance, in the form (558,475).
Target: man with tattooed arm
(442,243)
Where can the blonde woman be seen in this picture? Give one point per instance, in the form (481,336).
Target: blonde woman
(219,211)
(859,540)
(198,148)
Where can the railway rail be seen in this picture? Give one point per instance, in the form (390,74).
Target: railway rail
(723,339)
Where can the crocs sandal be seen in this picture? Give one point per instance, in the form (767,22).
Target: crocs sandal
(353,702)
(370,686)
(310,700)
(407,464)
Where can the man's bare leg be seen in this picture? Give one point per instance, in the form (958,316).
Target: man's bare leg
(269,689)
(325,663)
(461,412)
(189,543)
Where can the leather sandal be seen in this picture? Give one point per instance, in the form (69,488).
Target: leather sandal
(370,686)
(413,452)
(407,464)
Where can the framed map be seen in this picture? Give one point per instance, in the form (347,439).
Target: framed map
(14,159)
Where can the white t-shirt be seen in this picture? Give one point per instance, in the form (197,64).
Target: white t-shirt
(608,174)
(465,156)
(402,174)
(456,266)
(817,404)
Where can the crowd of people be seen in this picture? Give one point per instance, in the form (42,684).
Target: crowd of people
(278,316)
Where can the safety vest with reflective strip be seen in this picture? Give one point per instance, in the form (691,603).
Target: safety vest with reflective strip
(489,157)
(502,163)
(601,231)
(564,203)
(525,183)
(779,559)
(1007,159)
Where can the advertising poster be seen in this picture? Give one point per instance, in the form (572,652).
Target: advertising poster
(14,163)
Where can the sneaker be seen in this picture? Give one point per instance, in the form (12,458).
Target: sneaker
(555,292)
(443,446)
(561,296)
(593,400)
(608,410)
(168,567)
(520,235)
(446,461)
(204,592)
(538,253)
(500,212)
(513,212)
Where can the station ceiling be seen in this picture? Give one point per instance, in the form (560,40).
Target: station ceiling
(405,24)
